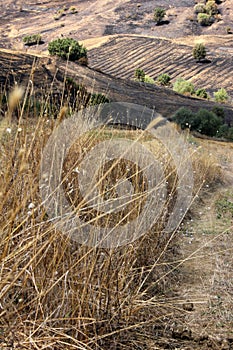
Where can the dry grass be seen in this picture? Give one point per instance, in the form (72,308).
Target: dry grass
(56,293)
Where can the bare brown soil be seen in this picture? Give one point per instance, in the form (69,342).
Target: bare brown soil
(102,17)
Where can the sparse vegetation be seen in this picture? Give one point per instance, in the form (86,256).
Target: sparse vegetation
(98,98)
(60,13)
(224,207)
(67,48)
(73,9)
(34,39)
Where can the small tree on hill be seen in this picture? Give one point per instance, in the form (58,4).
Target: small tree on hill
(33,39)
(67,48)
(164,79)
(199,52)
(185,118)
(208,122)
(199,8)
(211,8)
(204,19)
(221,95)
(149,79)
(184,87)
(139,74)
(159,14)
(201,93)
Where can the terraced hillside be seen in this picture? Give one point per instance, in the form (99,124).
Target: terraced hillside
(123,54)
(47,74)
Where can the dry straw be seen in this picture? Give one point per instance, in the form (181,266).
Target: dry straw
(56,293)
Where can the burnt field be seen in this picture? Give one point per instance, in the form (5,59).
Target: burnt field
(122,55)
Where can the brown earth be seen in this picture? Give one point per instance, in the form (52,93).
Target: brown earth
(102,17)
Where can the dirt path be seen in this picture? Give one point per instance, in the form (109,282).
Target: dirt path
(207,277)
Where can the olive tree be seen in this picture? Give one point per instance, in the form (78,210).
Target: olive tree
(199,52)
(67,48)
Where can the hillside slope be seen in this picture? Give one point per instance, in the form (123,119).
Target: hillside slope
(48,74)
(123,54)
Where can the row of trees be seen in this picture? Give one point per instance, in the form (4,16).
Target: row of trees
(181,86)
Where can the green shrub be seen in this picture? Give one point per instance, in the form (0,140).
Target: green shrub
(229,134)
(204,121)
(67,48)
(199,52)
(199,8)
(221,95)
(207,122)
(73,9)
(164,79)
(219,111)
(33,39)
(226,132)
(97,98)
(211,8)
(184,117)
(60,13)
(159,14)
(223,130)
(139,74)
(204,19)
(184,87)
(201,93)
(149,80)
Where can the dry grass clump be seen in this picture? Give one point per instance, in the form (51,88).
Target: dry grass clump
(58,293)
(206,168)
